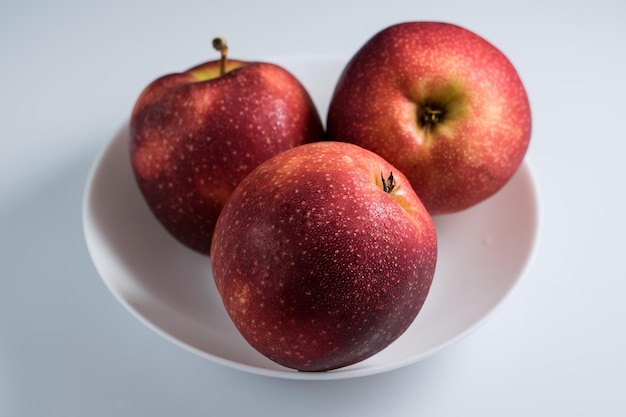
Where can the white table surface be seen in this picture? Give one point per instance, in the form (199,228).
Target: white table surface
(69,74)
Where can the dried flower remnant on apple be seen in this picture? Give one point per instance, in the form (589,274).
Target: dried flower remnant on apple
(389,184)
(429,115)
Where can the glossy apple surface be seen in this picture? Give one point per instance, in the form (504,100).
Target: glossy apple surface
(442,104)
(323,256)
(195,135)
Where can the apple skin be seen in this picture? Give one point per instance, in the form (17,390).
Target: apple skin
(195,135)
(316,264)
(440,103)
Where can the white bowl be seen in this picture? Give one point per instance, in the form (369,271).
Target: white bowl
(483,253)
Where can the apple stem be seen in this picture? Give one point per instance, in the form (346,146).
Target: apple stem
(389,184)
(220,45)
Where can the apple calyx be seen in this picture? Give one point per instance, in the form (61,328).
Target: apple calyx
(220,45)
(428,115)
(389,184)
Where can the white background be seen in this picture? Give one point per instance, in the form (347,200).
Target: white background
(69,74)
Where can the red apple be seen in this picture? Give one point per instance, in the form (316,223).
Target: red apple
(195,135)
(323,256)
(440,103)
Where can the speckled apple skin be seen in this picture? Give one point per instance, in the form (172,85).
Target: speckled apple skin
(480,141)
(194,139)
(316,264)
